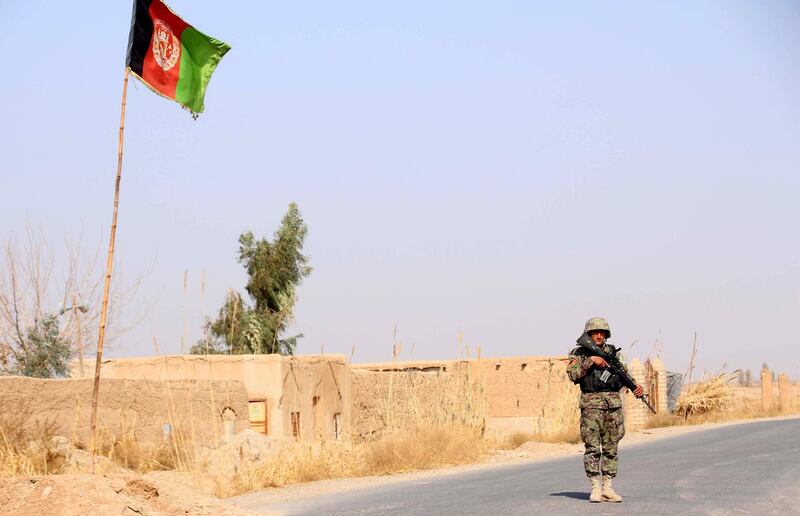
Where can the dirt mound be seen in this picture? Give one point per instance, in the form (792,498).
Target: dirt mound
(101,495)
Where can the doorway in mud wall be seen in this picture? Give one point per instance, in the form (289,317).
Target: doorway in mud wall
(259,416)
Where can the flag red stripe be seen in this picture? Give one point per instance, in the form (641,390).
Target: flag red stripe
(164,81)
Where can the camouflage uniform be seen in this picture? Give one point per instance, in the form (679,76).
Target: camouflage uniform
(602,424)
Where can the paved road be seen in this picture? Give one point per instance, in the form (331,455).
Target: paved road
(742,469)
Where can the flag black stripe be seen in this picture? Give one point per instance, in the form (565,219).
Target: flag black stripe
(141,33)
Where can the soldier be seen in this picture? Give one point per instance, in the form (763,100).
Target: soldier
(602,424)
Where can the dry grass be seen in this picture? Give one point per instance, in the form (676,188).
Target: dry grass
(706,396)
(514,441)
(27,448)
(397,452)
(663,420)
(717,416)
(415,399)
(568,434)
(293,464)
(734,408)
(126,451)
(177,452)
(559,418)
(422,448)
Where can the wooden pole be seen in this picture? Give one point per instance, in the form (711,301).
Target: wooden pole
(109,264)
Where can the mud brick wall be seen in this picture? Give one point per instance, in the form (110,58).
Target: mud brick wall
(137,408)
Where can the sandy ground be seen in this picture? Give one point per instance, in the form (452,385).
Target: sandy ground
(101,495)
(528,452)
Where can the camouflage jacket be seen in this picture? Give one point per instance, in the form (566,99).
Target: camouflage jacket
(579,365)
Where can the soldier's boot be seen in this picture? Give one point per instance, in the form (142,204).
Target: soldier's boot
(608,492)
(597,495)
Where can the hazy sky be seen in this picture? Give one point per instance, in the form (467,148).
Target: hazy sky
(501,169)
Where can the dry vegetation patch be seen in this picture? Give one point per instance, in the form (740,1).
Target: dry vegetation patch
(708,395)
(422,448)
(28,448)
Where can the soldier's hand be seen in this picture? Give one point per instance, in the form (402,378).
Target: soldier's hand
(639,392)
(599,362)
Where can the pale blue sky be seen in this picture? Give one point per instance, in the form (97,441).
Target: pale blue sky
(501,169)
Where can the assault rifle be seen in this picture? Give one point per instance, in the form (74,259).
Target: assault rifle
(614,365)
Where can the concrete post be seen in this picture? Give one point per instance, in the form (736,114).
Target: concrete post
(766,389)
(784,393)
(660,396)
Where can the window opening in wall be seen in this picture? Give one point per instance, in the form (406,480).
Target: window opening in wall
(257,411)
(522,367)
(497,367)
(296,424)
(337,426)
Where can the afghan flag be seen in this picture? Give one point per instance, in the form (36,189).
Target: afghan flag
(170,56)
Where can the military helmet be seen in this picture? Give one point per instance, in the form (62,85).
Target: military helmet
(597,323)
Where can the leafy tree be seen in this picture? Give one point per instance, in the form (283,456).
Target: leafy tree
(275,269)
(44,353)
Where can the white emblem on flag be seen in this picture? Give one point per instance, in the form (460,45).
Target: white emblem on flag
(166,47)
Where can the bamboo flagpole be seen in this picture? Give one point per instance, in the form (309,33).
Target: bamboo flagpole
(109,265)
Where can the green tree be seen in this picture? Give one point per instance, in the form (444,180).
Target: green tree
(275,269)
(44,353)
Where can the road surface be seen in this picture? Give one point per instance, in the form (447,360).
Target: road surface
(749,468)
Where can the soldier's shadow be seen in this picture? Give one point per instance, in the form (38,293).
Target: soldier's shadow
(572,494)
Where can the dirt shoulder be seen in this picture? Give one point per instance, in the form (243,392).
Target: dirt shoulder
(101,495)
(171,493)
(528,452)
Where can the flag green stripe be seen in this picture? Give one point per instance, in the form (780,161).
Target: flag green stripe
(200,55)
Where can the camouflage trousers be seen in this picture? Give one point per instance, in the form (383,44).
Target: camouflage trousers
(601,430)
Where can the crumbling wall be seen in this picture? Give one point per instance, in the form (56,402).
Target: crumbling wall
(526,386)
(315,401)
(521,394)
(136,408)
(305,396)
(394,399)
(529,394)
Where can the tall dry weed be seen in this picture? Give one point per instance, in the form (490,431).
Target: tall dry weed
(26,447)
(422,448)
(410,399)
(396,452)
(558,418)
